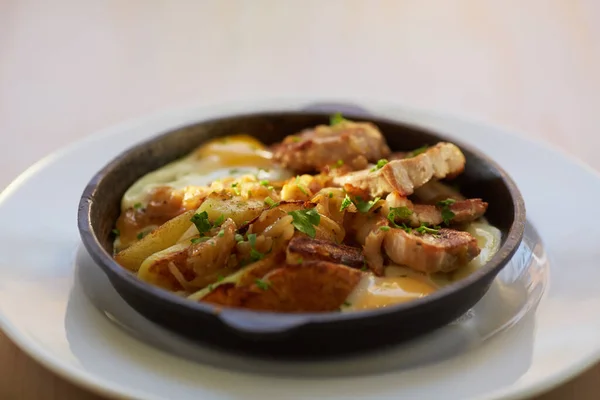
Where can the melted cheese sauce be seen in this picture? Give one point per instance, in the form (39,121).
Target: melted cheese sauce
(401,284)
(234,156)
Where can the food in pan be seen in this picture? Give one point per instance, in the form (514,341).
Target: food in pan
(329,219)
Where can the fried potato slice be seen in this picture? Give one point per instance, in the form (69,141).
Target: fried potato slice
(302,249)
(191,266)
(315,286)
(163,237)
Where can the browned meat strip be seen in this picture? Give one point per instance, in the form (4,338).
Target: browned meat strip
(417,214)
(443,252)
(314,286)
(404,176)
(320,148)
(302,249)
(434,191)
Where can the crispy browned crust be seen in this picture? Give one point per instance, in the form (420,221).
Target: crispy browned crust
(315,286)
(443,252)
(317,149)
(464,211)
(302,248)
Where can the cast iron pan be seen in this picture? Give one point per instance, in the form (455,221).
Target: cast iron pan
(293,335)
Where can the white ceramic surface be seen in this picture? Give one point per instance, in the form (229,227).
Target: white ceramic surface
(64,331)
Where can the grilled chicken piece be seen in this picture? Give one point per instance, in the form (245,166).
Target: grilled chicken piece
(314,286)
(404,176)
(417,214)
(302,249)
(366,230)
(187,266)
(354,143)
(443,252)
(434,191)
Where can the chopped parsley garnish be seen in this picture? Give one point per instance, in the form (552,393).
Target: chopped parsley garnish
(379,164)
(365,206)
(255,255)
(116,232)
(423,229)
(364,268)
(201,221)
(264,182)
(249,193)
(238,238)
(401,213)
(220,278)
(234,186)
(384,228)
(305,221)
(295,139)
(270,202)
(336,118)
(199,240)
(221,233)
(210,287)
(137,206)
(345,203)
(141,235)
(300,186)
(300,260)
(219,220)
(417,151)
(330,195)
(447,214)
(264,285)
(347,303)
(338,164)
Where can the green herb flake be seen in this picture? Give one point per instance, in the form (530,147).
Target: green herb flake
(305,221)
(423,229)
(295,139)
(338,163)
(199,240)
(264,285)
(417,151)
(137,206)
(201,221)
(141,235)
(330,195)
(398,213)
(270,202)
(219,221)
(365,206)
(345,203)
(336,118)
(379,164)
(384,228)
(300,186)
(249,193)
(221,233)
(210,287)
(255,255)
(347,303)
(364,268)
(238,238)
(264,182)
(116,232)
(300,260)
(220,278)
(447,214)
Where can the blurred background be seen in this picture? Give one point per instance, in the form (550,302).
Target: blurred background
(71,67)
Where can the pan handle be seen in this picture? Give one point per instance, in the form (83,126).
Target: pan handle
(259,324)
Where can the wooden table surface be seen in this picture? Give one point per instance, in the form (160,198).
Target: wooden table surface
(71,67)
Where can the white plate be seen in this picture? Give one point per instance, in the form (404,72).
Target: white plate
(45,313)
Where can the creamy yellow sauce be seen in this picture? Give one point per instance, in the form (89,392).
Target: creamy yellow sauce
(225,157)
(401,284)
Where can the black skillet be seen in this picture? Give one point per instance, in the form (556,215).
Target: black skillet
(293,335)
